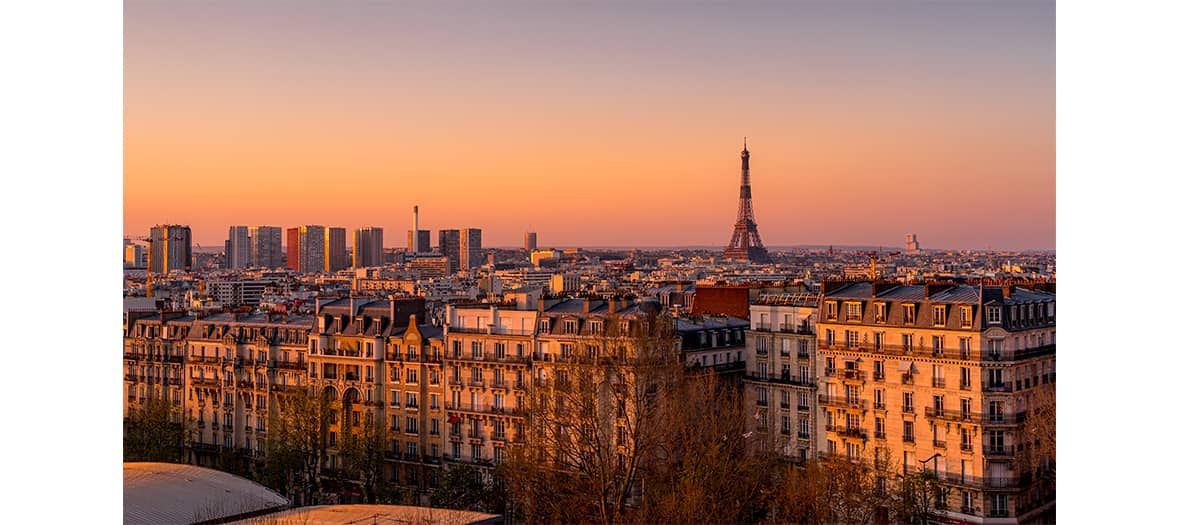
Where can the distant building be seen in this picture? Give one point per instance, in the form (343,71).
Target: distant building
(305,249)
(134,256)
(530,241)
(911,243)
(171,248)
(427,266)
(241,292)
(565,282)
(266,246)
(335,252)
(368,247)
(536,256)
(470,249)
(423,241)
(237,248)
(448,245)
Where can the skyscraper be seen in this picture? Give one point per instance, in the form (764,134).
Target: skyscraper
(172,248)
(368,247)
(448,245)
(266,243)
(530,241)
(470,248)
(423,241)
(335,252)
(911,243)
(237,247)
(305,249)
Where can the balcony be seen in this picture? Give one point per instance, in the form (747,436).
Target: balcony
(761,402)
(803,408)
(953,415)
(499,385)
(998,387)
(966,447)
(205,382)
(907,379)
(849,432)
(999,451)
(939,443)
(842,402)
(1001,419)
(291,365)
(805,329)
(938,382)
(287,388)
(779,379)
(849,374)
(803,435)
(879,376)
(878,406)
(878,435)
(907,409)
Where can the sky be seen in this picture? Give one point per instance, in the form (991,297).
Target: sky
(604,124)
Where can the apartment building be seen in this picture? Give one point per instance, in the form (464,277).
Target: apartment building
(488,364)
(219,371)
(780,390)
(941,377)
(376,363)
(716,342)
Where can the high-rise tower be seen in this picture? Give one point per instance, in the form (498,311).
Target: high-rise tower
(746,245)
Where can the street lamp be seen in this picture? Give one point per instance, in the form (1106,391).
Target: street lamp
(927,460)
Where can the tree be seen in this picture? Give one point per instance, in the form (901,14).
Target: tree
(154,432)
(363,454)
(598,423)
(296,445)
(465,487)
(1039,453)
(919,496)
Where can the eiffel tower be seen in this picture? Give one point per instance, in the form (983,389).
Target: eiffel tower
(746,245)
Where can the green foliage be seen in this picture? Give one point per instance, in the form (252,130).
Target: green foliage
(150,435)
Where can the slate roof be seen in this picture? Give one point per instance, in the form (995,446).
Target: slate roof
(156,493)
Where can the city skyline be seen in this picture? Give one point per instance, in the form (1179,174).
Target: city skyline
(553,118)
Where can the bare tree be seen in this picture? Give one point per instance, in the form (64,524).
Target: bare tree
(599,422)
(297,444)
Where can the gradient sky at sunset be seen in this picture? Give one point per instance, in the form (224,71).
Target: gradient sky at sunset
(605,124)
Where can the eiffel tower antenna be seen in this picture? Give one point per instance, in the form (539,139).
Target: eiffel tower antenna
(746,244)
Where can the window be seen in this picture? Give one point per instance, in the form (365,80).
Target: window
(965,406)
(434,427)
(852,338)
(830,336)
(907,402)
(879,431)
(907,342)
(993,315)
(784,400)
(761,396)
(999,505)
(879,316)
(804,427)
(878,340)
(964,378)
(964,438)
(854,313)
(411,400)
(940,315)
(966,316)
(879,398)
(411,376)
(786,425)
(907,431)
(833,310)
(394,423)
(411,425)
(938,342)
(908,313)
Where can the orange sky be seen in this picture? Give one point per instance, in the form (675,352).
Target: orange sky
(594,127)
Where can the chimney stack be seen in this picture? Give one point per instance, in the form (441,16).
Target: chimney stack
(414,238)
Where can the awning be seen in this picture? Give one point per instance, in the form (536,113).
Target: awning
(905,367)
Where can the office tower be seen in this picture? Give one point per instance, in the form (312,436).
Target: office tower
(266,243)
(448,245)
(911,243)
(470,248)
(746,244)
(368,247)
(172,248)
(305,249)
(335,254)
(530,241)
(133,255)
(237,248)
(423,241)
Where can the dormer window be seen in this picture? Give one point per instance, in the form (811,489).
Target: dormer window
(880,314)
(833,310)
(909,313)
(966,316)
(993,315)
(940,315)
(854,313)
(571,326)
(595,327)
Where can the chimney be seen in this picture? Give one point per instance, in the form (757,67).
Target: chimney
(585,305)
(414,237)
(611,306)
(541,305)
(1007,290)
